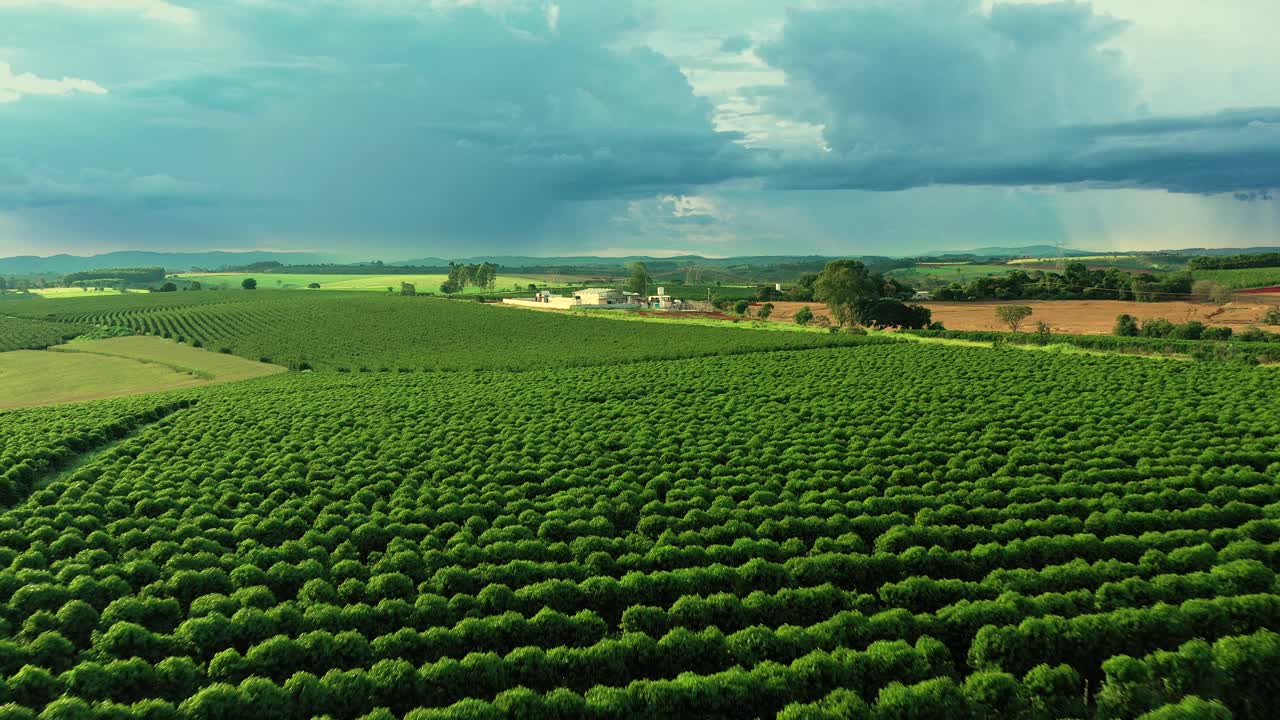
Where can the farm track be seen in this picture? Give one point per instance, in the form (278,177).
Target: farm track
(64,469)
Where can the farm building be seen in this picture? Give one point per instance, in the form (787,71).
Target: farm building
(599,298)
(584,298)
(661,301)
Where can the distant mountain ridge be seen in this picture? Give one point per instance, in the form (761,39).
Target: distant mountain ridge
(611,261)
(1023,251)
(215,260)
(176,261)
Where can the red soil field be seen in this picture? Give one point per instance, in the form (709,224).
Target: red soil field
(1077,317)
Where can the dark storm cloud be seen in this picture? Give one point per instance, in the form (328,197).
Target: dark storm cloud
(1238,151)
(409,124)
(391,119)
(920,93)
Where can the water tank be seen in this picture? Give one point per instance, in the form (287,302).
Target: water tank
(662,291)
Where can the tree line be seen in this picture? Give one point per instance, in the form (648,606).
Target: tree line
(1235,262)
(135,276)
(481,275)
(1076,282)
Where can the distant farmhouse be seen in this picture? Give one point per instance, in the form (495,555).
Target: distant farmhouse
(598,298)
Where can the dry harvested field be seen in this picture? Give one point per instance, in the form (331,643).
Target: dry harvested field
(1080,317)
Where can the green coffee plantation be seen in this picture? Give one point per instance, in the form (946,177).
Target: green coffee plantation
(885,530)
(369,333)
(24,334)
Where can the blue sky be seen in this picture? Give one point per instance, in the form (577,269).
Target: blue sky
(409,128)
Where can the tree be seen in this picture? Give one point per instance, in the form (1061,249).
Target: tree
(457,279)
(169,287)
(1126,326)
(1272,316)
(195,285)
(313,286)
(249,284)
(842,283)
(765,311)
(1043,328)
(741,307)
(1157,328)
(768,292)
(639,280)
(887,312)
(1013,315)
(4,286)
(803,316)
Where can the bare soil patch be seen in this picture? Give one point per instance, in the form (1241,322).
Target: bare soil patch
(1077,317)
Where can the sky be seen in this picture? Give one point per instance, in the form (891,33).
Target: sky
(451,128)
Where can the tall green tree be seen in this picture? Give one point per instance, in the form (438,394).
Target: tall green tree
(639,280)
(842,284)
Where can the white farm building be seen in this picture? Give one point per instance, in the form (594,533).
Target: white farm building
(596,298)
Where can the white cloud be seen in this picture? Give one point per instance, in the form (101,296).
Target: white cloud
(688,205)
(13,87)
(157,10)
(553,16)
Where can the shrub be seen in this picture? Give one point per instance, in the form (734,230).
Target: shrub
(1192,330)
(1156,328)
(1126,326)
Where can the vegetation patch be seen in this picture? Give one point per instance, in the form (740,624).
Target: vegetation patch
(28,334)
(893,530)
(416,333)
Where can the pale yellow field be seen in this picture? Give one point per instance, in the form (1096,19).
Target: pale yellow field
(96,369)
(373,283)
(72,292)
(1071,258)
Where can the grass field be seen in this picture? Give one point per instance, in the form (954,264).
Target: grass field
(1241,279)
(35,377)
(947,272)
(67,292)
(176,356)
(371,282)
(95,369)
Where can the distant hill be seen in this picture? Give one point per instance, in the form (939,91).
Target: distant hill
(63,264)
(570,264)
(526,261)
(1021,251)
(1224,251)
